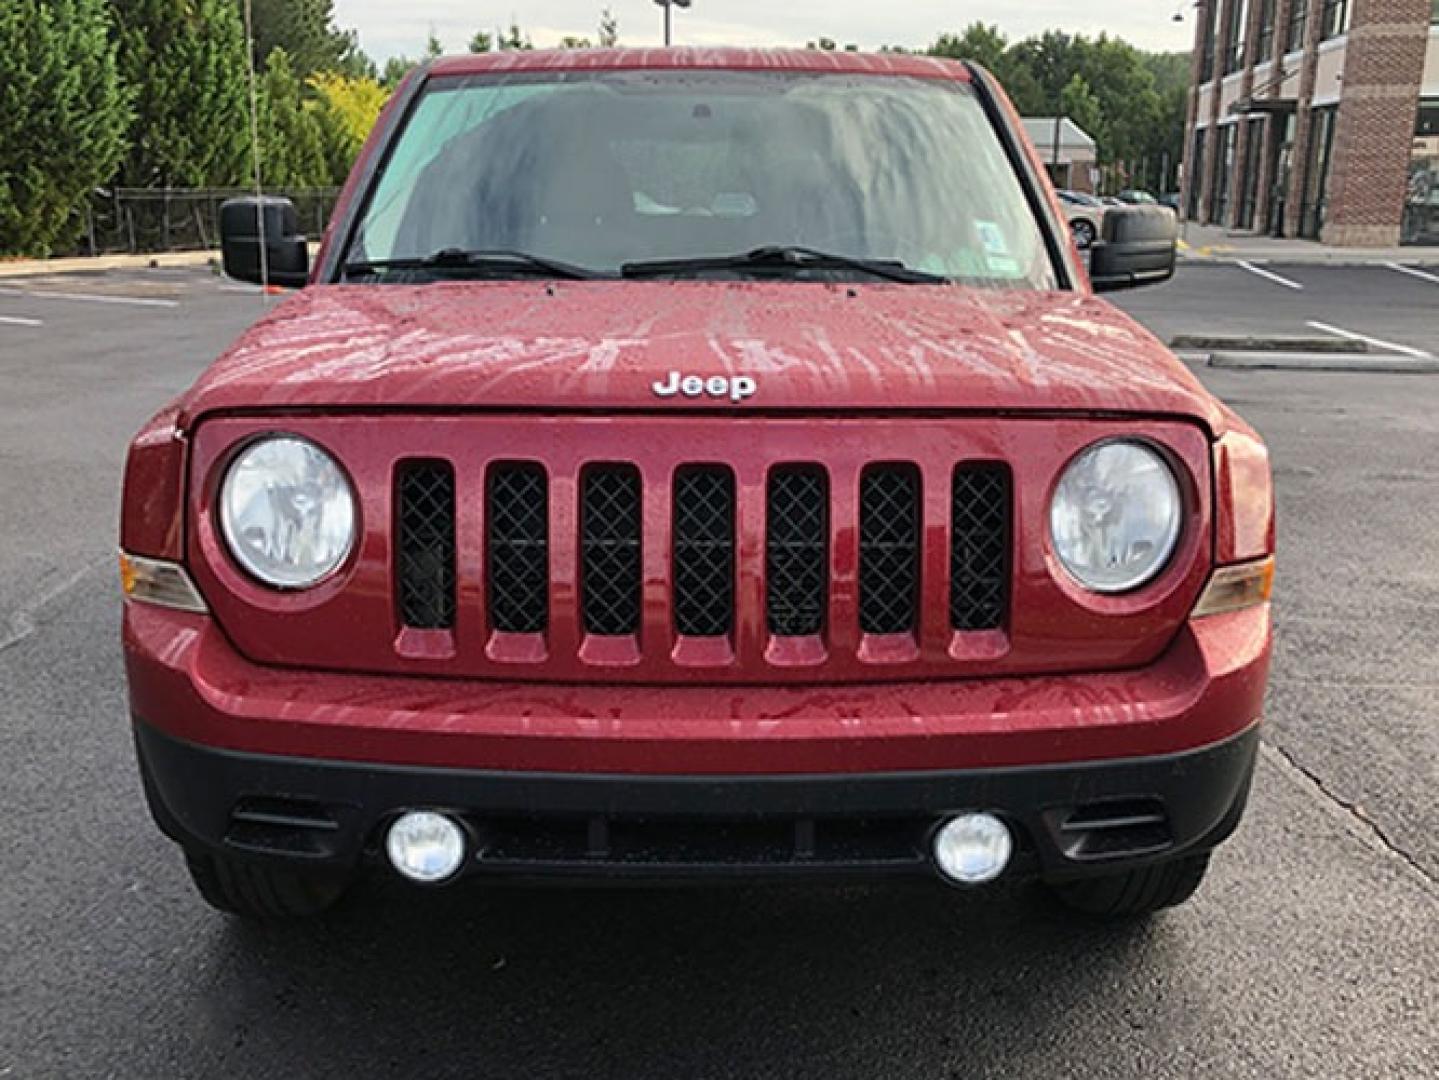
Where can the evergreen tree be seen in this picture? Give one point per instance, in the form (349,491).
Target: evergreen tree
(305,29)
(292,137)
(63,118)
(185,62)
(482,42)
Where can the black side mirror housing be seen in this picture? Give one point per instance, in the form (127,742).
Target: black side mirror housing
(1139,246)
(287,253)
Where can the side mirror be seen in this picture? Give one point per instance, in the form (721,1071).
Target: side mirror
(1139,246)
(287,254)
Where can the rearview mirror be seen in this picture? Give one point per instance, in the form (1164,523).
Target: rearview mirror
(1139,245)
(287,254)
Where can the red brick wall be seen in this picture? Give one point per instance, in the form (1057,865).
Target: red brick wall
(1382,75)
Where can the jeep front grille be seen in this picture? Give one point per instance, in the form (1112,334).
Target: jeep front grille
(789,583)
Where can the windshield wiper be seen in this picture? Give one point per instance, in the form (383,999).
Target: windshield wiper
(777,257)
(457,260)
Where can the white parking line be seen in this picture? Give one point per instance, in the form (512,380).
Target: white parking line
(1378,343)
(1269,274)
(15,320)
(96,298)
(1413,272)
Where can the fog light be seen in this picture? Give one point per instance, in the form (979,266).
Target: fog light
(973,849)
(425,847)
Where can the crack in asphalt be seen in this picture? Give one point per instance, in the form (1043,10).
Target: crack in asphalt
(25,621)
(1353,810)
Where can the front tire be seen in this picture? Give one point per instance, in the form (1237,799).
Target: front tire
(263,892)
(1134,893)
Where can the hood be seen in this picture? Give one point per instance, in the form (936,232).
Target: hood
(604,346)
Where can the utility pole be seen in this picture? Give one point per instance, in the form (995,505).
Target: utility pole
(668,5)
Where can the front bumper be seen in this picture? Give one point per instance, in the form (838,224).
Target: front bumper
(1090,770)
(1068,820)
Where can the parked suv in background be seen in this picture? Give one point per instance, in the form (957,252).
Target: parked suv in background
(696,463)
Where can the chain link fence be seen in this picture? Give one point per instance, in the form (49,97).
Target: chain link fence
(148,220)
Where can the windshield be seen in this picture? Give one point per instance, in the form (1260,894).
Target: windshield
(603,171)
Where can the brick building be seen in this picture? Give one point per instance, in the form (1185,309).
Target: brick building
(1316,119)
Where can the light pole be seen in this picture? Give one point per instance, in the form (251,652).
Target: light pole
(667,5)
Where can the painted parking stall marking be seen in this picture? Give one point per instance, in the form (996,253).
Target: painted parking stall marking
(93,298)
(1414,272)
(1378,343)
(15,320)
(1269,275)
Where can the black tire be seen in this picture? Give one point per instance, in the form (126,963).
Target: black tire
(263,892)
(1133,893)
(1084,234)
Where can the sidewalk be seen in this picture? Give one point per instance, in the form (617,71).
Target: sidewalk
(1201,243)
(36,267)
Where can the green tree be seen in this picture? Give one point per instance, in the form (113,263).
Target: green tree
(185,62)
(347,109)
(63,118)
(515,38)
(987,46)
(482,42)
(306,30)
(570,41)
(1078,103)
(292,137)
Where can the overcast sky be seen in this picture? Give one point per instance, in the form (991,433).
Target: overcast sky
(388,27)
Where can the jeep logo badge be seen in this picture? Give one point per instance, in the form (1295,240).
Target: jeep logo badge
(736,389)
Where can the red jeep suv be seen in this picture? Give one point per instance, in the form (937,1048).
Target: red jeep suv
(696,463)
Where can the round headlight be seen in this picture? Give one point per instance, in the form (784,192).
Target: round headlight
(1116,516)
(287,512)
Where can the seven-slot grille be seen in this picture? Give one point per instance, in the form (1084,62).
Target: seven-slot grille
(703,554)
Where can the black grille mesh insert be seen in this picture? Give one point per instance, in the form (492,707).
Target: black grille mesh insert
(889,550)
(704,551)
(610,526)
(517,516)
(797,551)
(425,548)
(979,547)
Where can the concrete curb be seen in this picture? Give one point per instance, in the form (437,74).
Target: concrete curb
(1285,258)
(1373,363)
(1211,344)
(45,267)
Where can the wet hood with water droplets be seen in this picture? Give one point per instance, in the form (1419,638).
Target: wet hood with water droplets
(603,345)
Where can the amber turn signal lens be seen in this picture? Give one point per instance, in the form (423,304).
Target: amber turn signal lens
(1233,588)
(165,584)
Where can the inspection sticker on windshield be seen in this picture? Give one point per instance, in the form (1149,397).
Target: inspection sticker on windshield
(992,237)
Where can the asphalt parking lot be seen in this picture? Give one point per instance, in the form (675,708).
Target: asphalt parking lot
(1311,951)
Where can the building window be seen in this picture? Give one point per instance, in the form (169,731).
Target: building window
(1298,24)
(1421,207)
(1223,174)
(1194,170)
(1316,176)
(1264,44)
(1206,35)
(1238,23)
(1253,166)
(1335,15)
